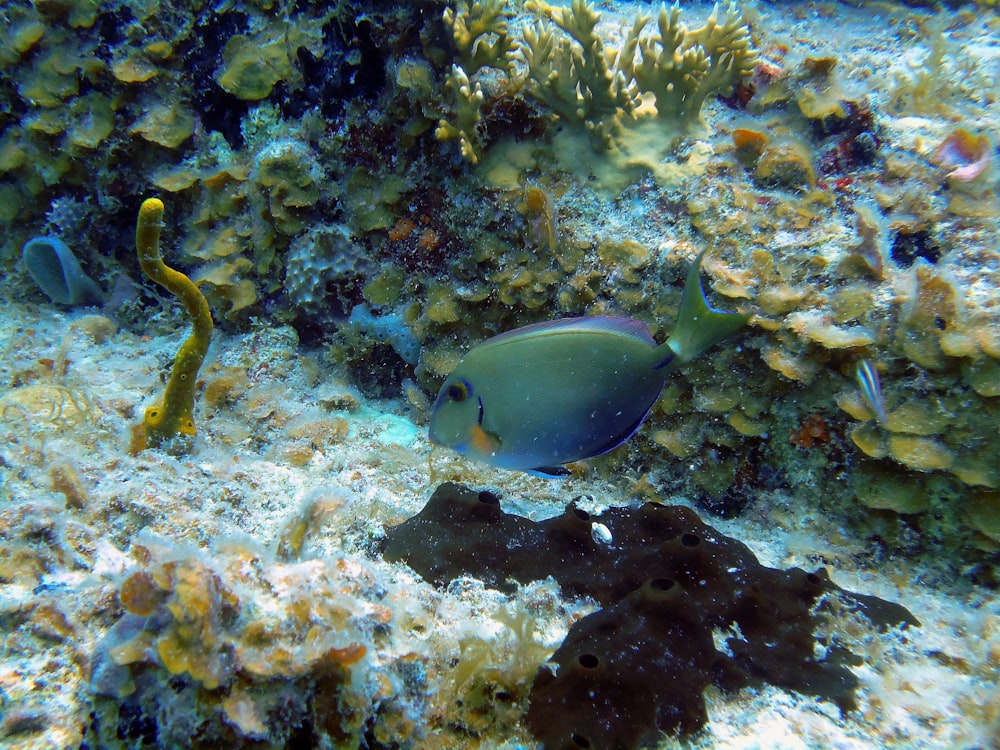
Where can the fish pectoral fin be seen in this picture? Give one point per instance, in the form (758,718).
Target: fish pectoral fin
(483,441)
(550,472)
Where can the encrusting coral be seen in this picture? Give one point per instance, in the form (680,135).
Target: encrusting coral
(222,625)
(170,424)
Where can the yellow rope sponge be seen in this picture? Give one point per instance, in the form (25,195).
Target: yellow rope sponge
(170,424)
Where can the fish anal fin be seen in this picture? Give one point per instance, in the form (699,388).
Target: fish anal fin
(550,472)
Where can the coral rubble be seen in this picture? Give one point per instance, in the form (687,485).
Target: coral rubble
(207,628)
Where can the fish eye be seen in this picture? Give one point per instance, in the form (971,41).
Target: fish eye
(458,392)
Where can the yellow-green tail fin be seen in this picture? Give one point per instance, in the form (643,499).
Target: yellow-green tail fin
(698,326)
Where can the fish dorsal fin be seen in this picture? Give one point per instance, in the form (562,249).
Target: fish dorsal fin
(635,329)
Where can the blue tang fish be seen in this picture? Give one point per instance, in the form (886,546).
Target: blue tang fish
(546,394)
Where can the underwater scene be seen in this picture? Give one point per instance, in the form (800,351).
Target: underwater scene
(499,374)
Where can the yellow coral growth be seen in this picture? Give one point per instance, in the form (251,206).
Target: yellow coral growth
(571,74)
(480,33)
(681,68)
(468,99)
(676,67)
(171,423)
(621,99)
(481,41)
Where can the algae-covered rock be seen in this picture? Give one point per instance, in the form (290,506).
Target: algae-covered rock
(983,512)
(918,418)
(252,66)
(166,125)
(786,165)
(881,488)
(983,375)
(920,453)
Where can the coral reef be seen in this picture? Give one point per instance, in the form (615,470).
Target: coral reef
(302,135)
(842,178)
(666,582)
(170,424)
(264,544)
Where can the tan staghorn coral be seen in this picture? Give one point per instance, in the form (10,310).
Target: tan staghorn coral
(681,68)
(468,98)
(479,32)
(675,68)
(633,101)
(573,75)
(617,102)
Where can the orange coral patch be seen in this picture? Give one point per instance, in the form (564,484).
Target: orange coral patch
(812,432)
(402,229)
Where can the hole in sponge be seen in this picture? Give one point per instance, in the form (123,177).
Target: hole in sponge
(580,741)
(589,661)
(690,540)
(662,584)
(488,498)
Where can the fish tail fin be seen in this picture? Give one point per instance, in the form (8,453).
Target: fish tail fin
(699,326)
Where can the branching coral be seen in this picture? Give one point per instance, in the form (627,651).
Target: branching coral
(480,34)
(682,68)
(576,79)
(481,41)
(171,422)
(468,98)
(621,99)
(677,68)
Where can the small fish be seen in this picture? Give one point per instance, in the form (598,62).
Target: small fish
(871,389)
(541,396)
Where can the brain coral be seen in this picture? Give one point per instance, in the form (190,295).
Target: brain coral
(322,266)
